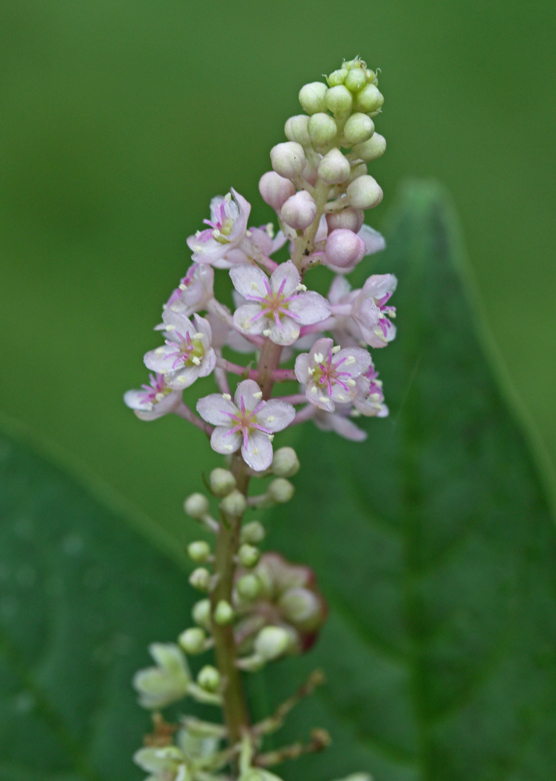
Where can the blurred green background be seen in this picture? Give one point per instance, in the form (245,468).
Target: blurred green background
(120,120)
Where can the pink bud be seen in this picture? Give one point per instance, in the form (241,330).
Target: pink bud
(299,211)
(351,219)
(288,159)
(275,190)
(344,249)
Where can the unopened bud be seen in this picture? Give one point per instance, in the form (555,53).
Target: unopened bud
(221,482)
(334,168)
(364,193)
(302,607)
(248,555)
(350,219)
(337,77)
(300,210)
(253,532)
(338,100)
(344,249)
(196,506)
(223,613)
(201,613)
(248,587)
(296,129)
(193,640)
(288,159)
(285,463)
(355,79)
(209,678)
(272,642)
(322,129)
(281,490)
(369,100)
(234,504)
(200,579)
(198,551)
(275,190)
(311,97)
(371,149)
(358,128)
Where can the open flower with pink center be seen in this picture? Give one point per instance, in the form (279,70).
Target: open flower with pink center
(226,231)
(154,400)
(280,304)
(247,422)
(194,292)
(370,398)
(329,373)
(187,354)
(371,311)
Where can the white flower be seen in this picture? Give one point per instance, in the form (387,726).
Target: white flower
(280,305)
(228,226)
(194,292)
(154,400)
(187,353)
(247,422)
(167,682)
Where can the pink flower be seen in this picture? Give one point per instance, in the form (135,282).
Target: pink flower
(280,307)
(370,398)
(154,400)
(329,373)
(340,423)
(370,310)
(247,422)
(228,225)
(194,292)
(187,353)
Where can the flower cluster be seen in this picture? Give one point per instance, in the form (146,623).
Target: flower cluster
(257,608)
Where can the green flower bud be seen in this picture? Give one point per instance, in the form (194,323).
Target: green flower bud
(364,192)
(358,128)
(198,551)
(248,587)
(334,168)
(322,129)
(248,555)
(296,129)
(302,607)
(337,77)
(253,532)
(221,482)
(223,613)
(369,100)
(311,97)
(355,79)
(200,579)
(357,171)
(272,642)
(234,504)
(281,490)
(285,463)
(193,640)
(371,149)
(201,613)
(288,159)
(338,100)
(196,506)
(209,678)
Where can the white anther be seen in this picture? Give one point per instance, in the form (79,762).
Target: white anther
(229,448)
(258,395)
(267,332)
(182,379)
(336,349)
(196,360)
(198,335)
(255,451)
(270,230)
(170,328)
(271,418)
(248,234)
(159,396)
(228,197)
(324,399)
(374,397)
(254,286)
(226,397)
(355,413)
(159,350)
(341,398)
(246,324)
(314,390)
(318,357)
(270,436)
(216,233)
(301,288)
(351,383)
(182,286)
(350,360)
(311,370)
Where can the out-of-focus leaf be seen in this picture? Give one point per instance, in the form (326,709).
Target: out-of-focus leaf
(81,597)
(435,545)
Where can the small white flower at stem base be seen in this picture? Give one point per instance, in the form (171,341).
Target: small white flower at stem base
(247,423)
(187,354)
(228,226)
(167,682)
(279,308)
(154,400)
(329,373)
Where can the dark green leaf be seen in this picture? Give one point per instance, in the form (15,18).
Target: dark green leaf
(435,545)
(82,595)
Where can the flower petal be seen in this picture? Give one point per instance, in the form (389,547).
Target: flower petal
(249,281)
(250,393)
(258,453)
(183,378)
(162,359)
(224,442)
(374,241)
(248,319)
(285,333)
(310,308)
(302,363)
(276,415)
(356,360)
(286,274)
(215,408)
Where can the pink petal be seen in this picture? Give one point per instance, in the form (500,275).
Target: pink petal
(258,453)
(249,320)
(310,308)
(249,281)
(214,409)
(374,241)
(222,441)
(286,333)
(286,274)
(276,415)
(249,391)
